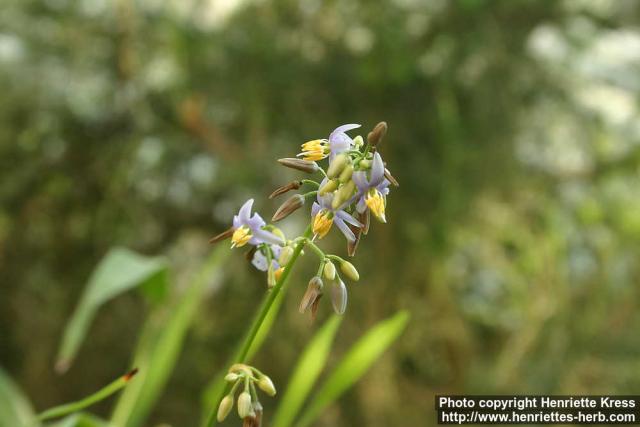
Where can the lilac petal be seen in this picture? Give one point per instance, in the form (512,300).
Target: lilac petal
(344,128)
(267,237)
(236,222)
(339,143)
(360,179)
(255,222)
(259,261)
(315,208)
(339,222)
(362,205)
(377,170)
(325,200)
(348,218)
(245,211)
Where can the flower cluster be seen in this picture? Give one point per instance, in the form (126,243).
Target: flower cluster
(249,407)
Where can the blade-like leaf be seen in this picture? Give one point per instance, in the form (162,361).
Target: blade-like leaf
(306,373)
(15,408)
(160,345)
(355,363)
(119,271)
(81,419)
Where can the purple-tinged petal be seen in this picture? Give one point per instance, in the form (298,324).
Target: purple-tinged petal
(339,222)
(256,222)
(315,208)
(339,297)
(344,128)
(236,222)
(245,211)
(361,206)
(267,237)
(259,260)
(377,170)
(325,200)
(360,179)
(348,218)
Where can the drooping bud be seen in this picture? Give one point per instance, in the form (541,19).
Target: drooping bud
(328,187)
(231,377)
(244,404)
(343,194)
(339,296)
(349,270)
(222,236)
(346,173)
(226,404)
(257,409)
(285,255)
(299,164)
(377,134)
(314,308)
(266,385)
(337,165)
(329,270)
(391,178)
(313,292)
(294,185)
(292,204)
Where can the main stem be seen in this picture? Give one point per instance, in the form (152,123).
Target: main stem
(241,353)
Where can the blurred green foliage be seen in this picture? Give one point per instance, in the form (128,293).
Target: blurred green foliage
(513,239)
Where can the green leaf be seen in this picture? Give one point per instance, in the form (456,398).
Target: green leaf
(160,344)
(119,271)
(15,408)
(81,419)
(356,362)
(306,373)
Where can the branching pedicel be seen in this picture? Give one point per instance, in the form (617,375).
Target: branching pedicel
(354,185)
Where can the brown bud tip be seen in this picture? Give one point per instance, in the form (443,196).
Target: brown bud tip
(377,134)
(292,204)
(222,236)
(130,374)
(391,178)
(299,164)
(285,188)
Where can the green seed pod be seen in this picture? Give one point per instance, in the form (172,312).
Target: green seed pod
(329,271)
(337,164)
(328,187)
(225,407)
(285,255)
(244,404)
(266,385)
(346,173)
(349,270)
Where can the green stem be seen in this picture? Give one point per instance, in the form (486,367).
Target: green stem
(101,394)
(243,350)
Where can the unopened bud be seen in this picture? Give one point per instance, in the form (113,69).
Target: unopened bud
(343,194)
(231,377)
(337,164)
(226,404)
(299,164)
(314,308)
(329,271)
(365,164)
(244,404)
(328,187)
(349,270)
(285,255)
(339,297)
(292,204)
(358,141)
(391,178)
(313,292)
(266,385)
(377,134)
(222,236)
(294,185)
(346,173)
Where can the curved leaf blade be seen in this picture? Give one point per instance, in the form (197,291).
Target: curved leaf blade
(306,372)
(356,363)
(15,408)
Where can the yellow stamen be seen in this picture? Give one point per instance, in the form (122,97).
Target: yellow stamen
(278,273)
(310,145)
(241,236)
(322,223)
(376,203)
(314,150)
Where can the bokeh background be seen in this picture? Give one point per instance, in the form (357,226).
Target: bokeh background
(513,239)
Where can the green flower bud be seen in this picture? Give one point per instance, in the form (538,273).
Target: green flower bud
(285,255)
(328,187)
(231,377)
(365,164)
(244,404)
(346,173)
(343,194)
(225,407)
(337,164)
(266,385)
(329,271)
(349,270)
(312,294)
(358,141)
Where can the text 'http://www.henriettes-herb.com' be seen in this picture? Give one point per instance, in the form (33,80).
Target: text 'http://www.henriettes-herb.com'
(354,186)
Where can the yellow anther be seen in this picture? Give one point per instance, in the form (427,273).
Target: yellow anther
(375,201)
(241,236)
(278,273)
(314,150)
(311,145)
(322,223)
